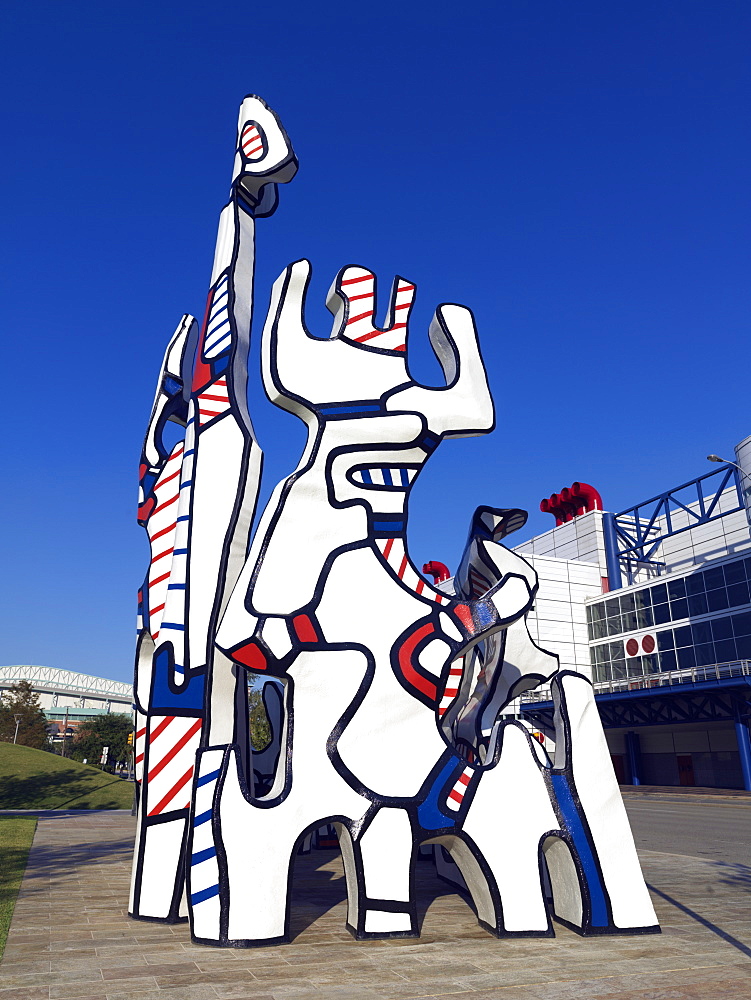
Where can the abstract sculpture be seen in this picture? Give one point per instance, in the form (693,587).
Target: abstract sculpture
(384,693)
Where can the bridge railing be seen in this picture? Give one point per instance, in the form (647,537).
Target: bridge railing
(665,678)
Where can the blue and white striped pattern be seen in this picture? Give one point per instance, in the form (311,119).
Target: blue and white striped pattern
(204,868)
(386,475)
(218,329)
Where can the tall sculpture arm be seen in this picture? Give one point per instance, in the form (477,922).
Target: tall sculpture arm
(210,483)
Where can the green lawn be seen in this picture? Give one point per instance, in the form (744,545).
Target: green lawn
(35,779)
(16,834)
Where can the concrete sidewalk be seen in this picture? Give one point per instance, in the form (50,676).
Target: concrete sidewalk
(71,938)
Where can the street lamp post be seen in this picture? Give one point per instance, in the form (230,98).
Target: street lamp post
(745,493)
(716,458)
(18,718)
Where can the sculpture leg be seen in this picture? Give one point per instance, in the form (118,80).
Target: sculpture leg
(240,858)
(507,817)
(241,852)
(385,855)
(592,811)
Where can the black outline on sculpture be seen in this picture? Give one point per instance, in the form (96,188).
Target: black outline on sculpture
(371,520)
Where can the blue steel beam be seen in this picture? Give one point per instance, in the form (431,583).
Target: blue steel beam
(637,534)
(633,754)
(744,747)
(723,700)
(615,580)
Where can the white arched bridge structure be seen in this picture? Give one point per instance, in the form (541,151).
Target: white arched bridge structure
(59,690)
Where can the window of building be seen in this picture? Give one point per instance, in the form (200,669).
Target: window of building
(719,640)
(707,592)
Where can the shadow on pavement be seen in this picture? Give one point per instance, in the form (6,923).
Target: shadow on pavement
(703,921)
(316,890)
(735,874)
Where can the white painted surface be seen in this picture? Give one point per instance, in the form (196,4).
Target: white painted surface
(601,800)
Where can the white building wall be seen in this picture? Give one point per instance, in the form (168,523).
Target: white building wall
(558,621)
(56,699)
(66,689)
(581,540)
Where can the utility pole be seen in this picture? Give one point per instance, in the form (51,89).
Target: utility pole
(65,732)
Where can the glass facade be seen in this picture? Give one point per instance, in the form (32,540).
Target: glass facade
(719,640)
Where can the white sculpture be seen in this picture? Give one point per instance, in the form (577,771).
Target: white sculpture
(389,728)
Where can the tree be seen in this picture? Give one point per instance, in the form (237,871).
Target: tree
(20,699)
(109,730)
(260,730)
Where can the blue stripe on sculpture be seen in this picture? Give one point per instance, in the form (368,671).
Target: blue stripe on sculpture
(207,778)
(200,856)
(394,526)
(575,827)
(361,408)
(199,897)
(429,813)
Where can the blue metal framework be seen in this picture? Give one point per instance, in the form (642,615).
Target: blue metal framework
(634,535)
(723,700)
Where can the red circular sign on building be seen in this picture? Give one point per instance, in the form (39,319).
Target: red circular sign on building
(632,647)
(648,643)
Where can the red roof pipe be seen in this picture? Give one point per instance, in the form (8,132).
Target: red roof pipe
(589,494)
(554,505)
(567,504)
(547,508)
(576,502)
(579,498)
(438,570)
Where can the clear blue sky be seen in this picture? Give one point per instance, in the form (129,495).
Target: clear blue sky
(577,173)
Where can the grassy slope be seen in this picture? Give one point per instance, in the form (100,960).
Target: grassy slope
(16,834)
(35,779)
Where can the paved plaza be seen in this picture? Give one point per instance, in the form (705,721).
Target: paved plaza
(71,936)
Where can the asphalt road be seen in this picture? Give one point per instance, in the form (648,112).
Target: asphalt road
(713,831)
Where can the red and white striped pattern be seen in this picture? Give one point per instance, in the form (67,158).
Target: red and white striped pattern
(478,582)
(139,744)
(453,682)
(357,286)
(161,530)
(172,627)
(251,142)
(213,401)
(392,550)
(173,742)
(456,795)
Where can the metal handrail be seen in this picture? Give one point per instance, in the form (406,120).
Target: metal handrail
(665,678)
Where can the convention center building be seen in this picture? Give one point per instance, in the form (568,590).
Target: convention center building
(654,605)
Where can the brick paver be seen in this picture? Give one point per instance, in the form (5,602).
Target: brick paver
(71,937)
